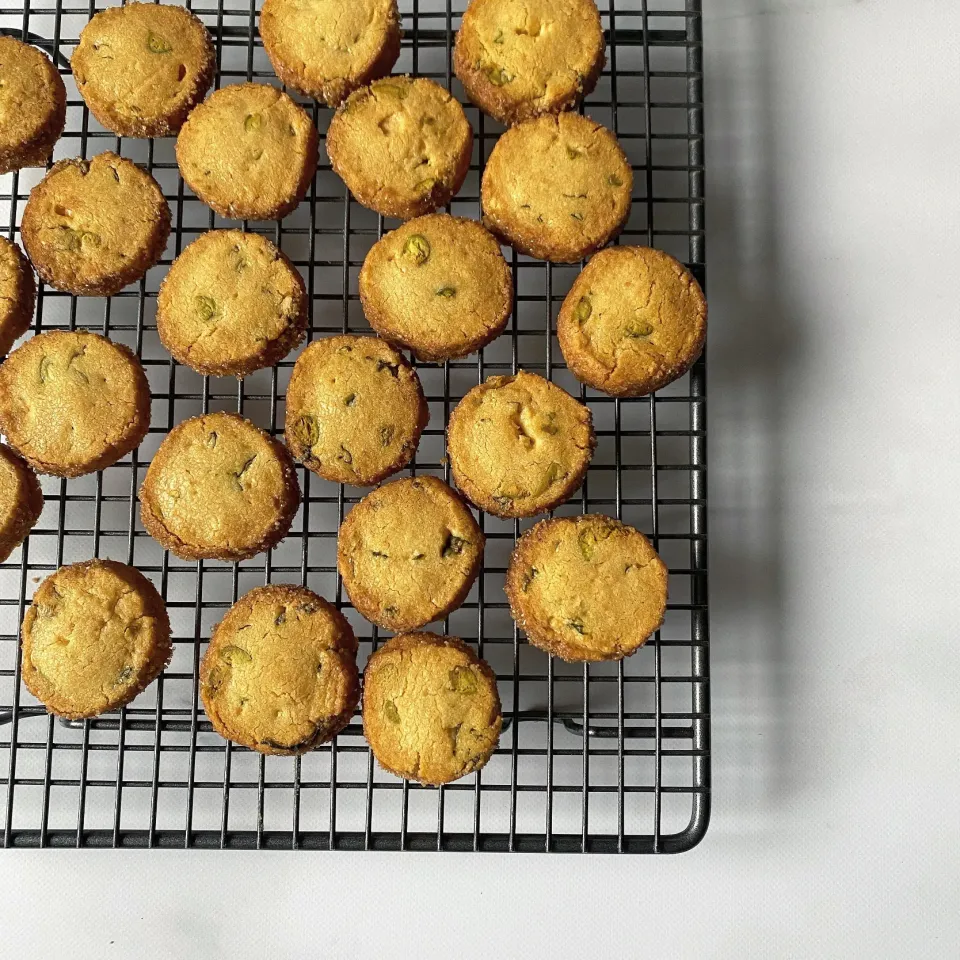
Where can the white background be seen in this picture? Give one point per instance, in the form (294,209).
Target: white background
(833,243)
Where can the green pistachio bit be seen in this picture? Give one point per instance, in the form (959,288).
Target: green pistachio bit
(528,578)
(206,308)
(345,455)
(463,680)
(453,545)
(350,399)
(498,39)
(577,216)
(308,607)
(78,375)
(425,185)
(125,674)
(346,348)
(390,611)
(638,328)
(549,423)
(576,624)
(156,44)
(235,655)
(573,153)
(45,369)
(391,89)
(381,554)
(386,365)
(418,556)
(237,477)
(73,240)
(575,196)
(587,545)
(498,76)
(447,292)
(417,248)
(252,122)
(583,309)
(212,440)
(386,435)
(306,431)
(614,180)
(390,711)
(281,619)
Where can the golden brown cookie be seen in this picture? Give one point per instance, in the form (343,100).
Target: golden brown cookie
(431,711)
(326,49)
(21,501)
(519,59)
(280,675)
(438,285)
(18,294)
(519,445)
(96,634)
(401,145)
(355,410)
(249,152)
(91,227)
(586,588)
(232,303)
(72,402)
(557,188)
(219,488)
(142,67)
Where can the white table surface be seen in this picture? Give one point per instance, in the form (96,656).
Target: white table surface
(834,237)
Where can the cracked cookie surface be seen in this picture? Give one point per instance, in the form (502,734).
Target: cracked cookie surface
(18,295)
(21,501)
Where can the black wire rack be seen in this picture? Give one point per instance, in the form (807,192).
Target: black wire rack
(611,757)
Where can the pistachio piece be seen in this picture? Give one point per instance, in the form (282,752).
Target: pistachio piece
(306,431)
(583,309)
(345,455)
(386,434)
(425,185)
(350,399)
(417,249)
(280,619)
(390,711)
(614,180)
(243,469)
(463,680)
(390,89)
(235,655)
(206,308)
(380,553)
(549,423)
(638,328)
(447,292)
(528,578)
(577,216)
(576,624)
(573,153)
(123,676)
(156,43)
(212,439)
(498,39)
(44,372)
(252,122)
(452,545)
(498,76)
(386,365)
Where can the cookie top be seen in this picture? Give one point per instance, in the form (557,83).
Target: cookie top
(401,145)
(409,552)
(586,588)
(90,227)
(142,67)
(327,48)
(249,152)
(431,711)
(557,188)
(21,501)
(355,410)
(438,285)
(72,402)
(280,674)
(519,445)
(519,59)
(231,304)
(219,488)
(95,635)
(18,295)
(634,320)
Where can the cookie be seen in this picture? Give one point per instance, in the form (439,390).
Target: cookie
(355,410)
(586,588)
(431,711)
(327,50)
(33,106)
(21,501)
(634,320)
(91,227)
(141,68)
(401,145)
(95,635)
(280,673)
(231,304)
(248,152)
(519,445)
(518,59)
(438,286)
(409,553)
(219,488)
(72,402)
(18,295)
(557,188)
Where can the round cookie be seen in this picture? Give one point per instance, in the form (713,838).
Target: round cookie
(409,552)
(634,320)
(586,588)
(519,445)
(141,68)
(401,145)
(431,711)
(248,152)
(21,501)
(72,402)
(280,674)
(18,295)
(328,49)
(33,106)
(219,488)
(231,303)
(355,410)
(557,188)
(96,634)
(519,59)
(438,285)
(90,227)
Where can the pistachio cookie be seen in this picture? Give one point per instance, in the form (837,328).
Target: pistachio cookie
(232,303)
(557,188)
(586,588)
(33,106)
(91,227)
(219,488)
(21,501)
(355,410)
(431,711)
(72,402)
(18,295)
(518,59)
(280,675)
(409,552)
(328,49)
(248,152)
(519,445)
(96,634)
(634,320)
(141,68)
(401,145)
(438,285)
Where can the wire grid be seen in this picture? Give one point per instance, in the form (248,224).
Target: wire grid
(601,757)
